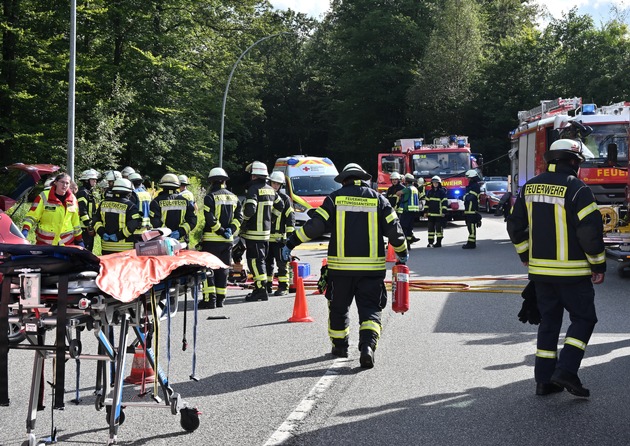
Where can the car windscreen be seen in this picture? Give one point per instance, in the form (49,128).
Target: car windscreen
(440,163)
(312,186)
(496,186)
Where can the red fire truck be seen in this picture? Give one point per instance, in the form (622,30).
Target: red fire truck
(604,130)
(449,157)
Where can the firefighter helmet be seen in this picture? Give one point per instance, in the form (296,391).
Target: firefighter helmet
(112,175)
(169,181)
(135,176)
(277,177)
(89,174)
(258,168)
(394,176)
(183,180)
(436,178)
(409,178)
(565,149)
(353,170)
(421,181)
(126,171)
(218,174)
(122,185)
(472,173)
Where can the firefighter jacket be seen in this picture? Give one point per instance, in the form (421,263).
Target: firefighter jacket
(57,220)
(556,226)
(283,225)
(222,210)
(87,206)
(117,216)
(471,198)
(171,210)
(260,202)
(392,194)
(357,218)
(142,199)
(437,202)
(409,200)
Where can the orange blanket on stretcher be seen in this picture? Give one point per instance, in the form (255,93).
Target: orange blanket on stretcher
(125,276)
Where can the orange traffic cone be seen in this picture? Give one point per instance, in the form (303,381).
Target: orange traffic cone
(140,369)
(391,254)
(300,306)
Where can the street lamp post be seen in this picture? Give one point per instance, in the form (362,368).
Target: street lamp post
(227,87)
(71,86)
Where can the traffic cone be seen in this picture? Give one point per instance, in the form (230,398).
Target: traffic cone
(391,254)
(300,306)
(140,369)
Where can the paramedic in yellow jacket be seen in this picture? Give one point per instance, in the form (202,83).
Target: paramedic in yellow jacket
(55,212)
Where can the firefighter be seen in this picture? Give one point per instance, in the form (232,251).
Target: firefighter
(117,218)
(409,207)
(422,193)
(142,199)
(357,218)
(127,171)
(109,177)
(186,193)
(392,192)
(471,208)
(87,206)
(282,227)
(56,214)
(257,210)
(171,210)
(437,204)
(223,214)
(557,230)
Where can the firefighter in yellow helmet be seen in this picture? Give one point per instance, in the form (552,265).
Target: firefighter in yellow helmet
(223,216)
(171,210)
(117,218)
(358,218)
(557,230)
(260,202)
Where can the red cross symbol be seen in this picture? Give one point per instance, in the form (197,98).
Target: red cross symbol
(306,168)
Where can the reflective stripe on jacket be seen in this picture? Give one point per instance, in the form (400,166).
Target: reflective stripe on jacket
(57,223)
(261,200)
(222,210)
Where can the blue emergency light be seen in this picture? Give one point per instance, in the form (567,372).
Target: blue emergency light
(589,109)
(417,144)
(461,142)
(292,161)
(328,161)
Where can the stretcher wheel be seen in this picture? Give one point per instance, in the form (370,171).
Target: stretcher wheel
(16,334)
(74,348)
(99,402)
(108,413)
(189,419)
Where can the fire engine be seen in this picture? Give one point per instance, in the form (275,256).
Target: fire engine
(449,157)
(604,131)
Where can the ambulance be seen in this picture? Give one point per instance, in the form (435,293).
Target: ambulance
(309,179)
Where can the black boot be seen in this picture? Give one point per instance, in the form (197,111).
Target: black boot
(269,287)
(469,245)
(340,352)
(367,356)
(220,299)
(283,290)
(208,302)
(570,382)
(257,294)
(438,244)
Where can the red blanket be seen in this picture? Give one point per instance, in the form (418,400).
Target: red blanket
(126,276)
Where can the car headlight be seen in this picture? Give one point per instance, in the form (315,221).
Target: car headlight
(299,207)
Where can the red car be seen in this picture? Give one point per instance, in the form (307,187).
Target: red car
(491,193)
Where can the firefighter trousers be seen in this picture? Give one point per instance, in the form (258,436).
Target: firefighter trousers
(371,298)
(274,256)
(407,220)
(471,224)
(434,228)
(217,282)
(553,298)
(256,252)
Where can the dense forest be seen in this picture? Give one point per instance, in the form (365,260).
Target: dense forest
(151,75)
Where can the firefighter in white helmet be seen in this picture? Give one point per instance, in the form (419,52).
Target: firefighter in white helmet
(117,218)
(556,228)
(436,210)
(471,208)
(223,218)
(392,191)
(409,208)
(187,193)
(282,227)
(110,176)
(87,205)
(171,210)
(127,171)
(358,218)
(260,201)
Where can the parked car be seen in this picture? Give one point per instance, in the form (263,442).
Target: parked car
(491,193)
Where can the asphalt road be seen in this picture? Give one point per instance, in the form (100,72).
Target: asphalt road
(457,369)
